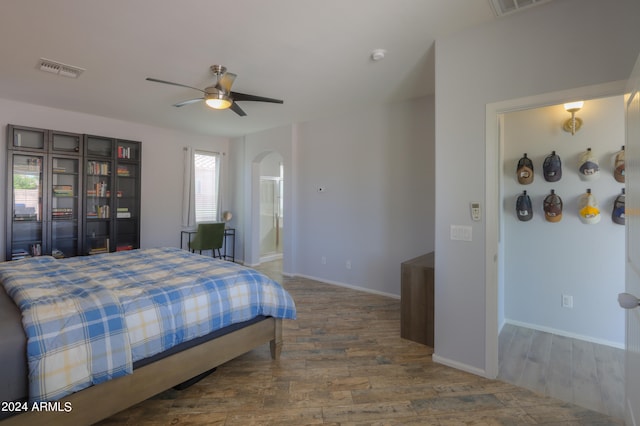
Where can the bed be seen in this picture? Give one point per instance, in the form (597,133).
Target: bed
(150,318)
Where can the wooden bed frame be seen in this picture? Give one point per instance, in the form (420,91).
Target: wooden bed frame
(98,402)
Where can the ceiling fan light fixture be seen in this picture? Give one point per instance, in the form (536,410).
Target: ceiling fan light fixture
(218,100)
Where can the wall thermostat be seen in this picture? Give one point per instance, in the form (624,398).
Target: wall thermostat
(475,211)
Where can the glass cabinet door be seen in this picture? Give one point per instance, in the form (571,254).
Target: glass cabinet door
(27,226)
(98,206)
(65,206)
(66,142)
(28,138)
(98,175)
(127,196)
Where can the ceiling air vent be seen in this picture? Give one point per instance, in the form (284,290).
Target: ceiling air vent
(505,7)
(59,68)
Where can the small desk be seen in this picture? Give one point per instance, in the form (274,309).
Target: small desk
(228,246)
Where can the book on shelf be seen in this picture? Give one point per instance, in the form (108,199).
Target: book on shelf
(124,246)
(123,212)
(123,171)
(19,254)
(25,217)
(98,168)
(35,249)
(61,213)
(100,189)
(103,249)
(63,190)
(99,212)
(124,152)
(59,170)
(98,250)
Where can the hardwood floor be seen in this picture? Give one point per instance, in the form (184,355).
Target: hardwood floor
(344,363)
(583,373)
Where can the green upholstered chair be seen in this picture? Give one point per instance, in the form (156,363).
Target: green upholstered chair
(209,236)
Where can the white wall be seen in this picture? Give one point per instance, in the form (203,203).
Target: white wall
(161,207)
(270,165)
(544,260)
(376,167)
(248,152)
(556,46)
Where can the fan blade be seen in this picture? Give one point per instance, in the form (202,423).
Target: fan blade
(245,97)
(226,81)
(187,102)
(174,84)
(236,108)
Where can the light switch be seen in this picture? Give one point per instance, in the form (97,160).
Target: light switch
(461,233)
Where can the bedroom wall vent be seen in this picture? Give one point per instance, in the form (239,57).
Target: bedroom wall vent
(505,7)
(59,68)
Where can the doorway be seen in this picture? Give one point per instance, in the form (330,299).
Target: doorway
(500,206)
(271,207)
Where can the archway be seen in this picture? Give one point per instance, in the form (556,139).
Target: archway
(271,209)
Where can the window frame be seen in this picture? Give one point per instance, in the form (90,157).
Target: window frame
(206,207)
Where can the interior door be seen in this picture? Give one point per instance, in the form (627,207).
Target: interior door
(632,213)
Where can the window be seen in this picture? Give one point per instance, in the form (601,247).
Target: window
(206,167)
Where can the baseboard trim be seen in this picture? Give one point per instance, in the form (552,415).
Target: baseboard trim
(566,334)
(631,419)
(270,257)
(459,366)
(352,287)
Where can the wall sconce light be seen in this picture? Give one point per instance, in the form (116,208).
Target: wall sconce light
(574,123)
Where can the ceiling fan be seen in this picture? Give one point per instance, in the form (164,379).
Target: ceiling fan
(220,96)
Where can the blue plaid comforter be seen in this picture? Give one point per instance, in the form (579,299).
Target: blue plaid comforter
(87,319)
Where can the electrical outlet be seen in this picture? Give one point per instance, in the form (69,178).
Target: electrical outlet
(348,264)
(567,301)
(323,260)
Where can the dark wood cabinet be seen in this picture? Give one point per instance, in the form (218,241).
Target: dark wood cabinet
(416,300)
(112,194)
(43,193)
(70,194)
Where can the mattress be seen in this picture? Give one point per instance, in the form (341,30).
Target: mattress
(13,359)
(13,374)
(19,280)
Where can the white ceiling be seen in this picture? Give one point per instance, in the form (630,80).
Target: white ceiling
(313,54)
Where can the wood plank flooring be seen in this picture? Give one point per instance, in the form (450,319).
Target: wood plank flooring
(343,363)
(583,373)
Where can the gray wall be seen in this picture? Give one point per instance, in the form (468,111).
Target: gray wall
(557,46)
(545,260)
(377,168)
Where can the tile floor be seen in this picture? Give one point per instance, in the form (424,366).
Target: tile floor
(583,373)
(343,363)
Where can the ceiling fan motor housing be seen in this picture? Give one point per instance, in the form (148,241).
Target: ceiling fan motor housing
(218,69)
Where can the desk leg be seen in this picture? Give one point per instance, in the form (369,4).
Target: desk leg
(230,234)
